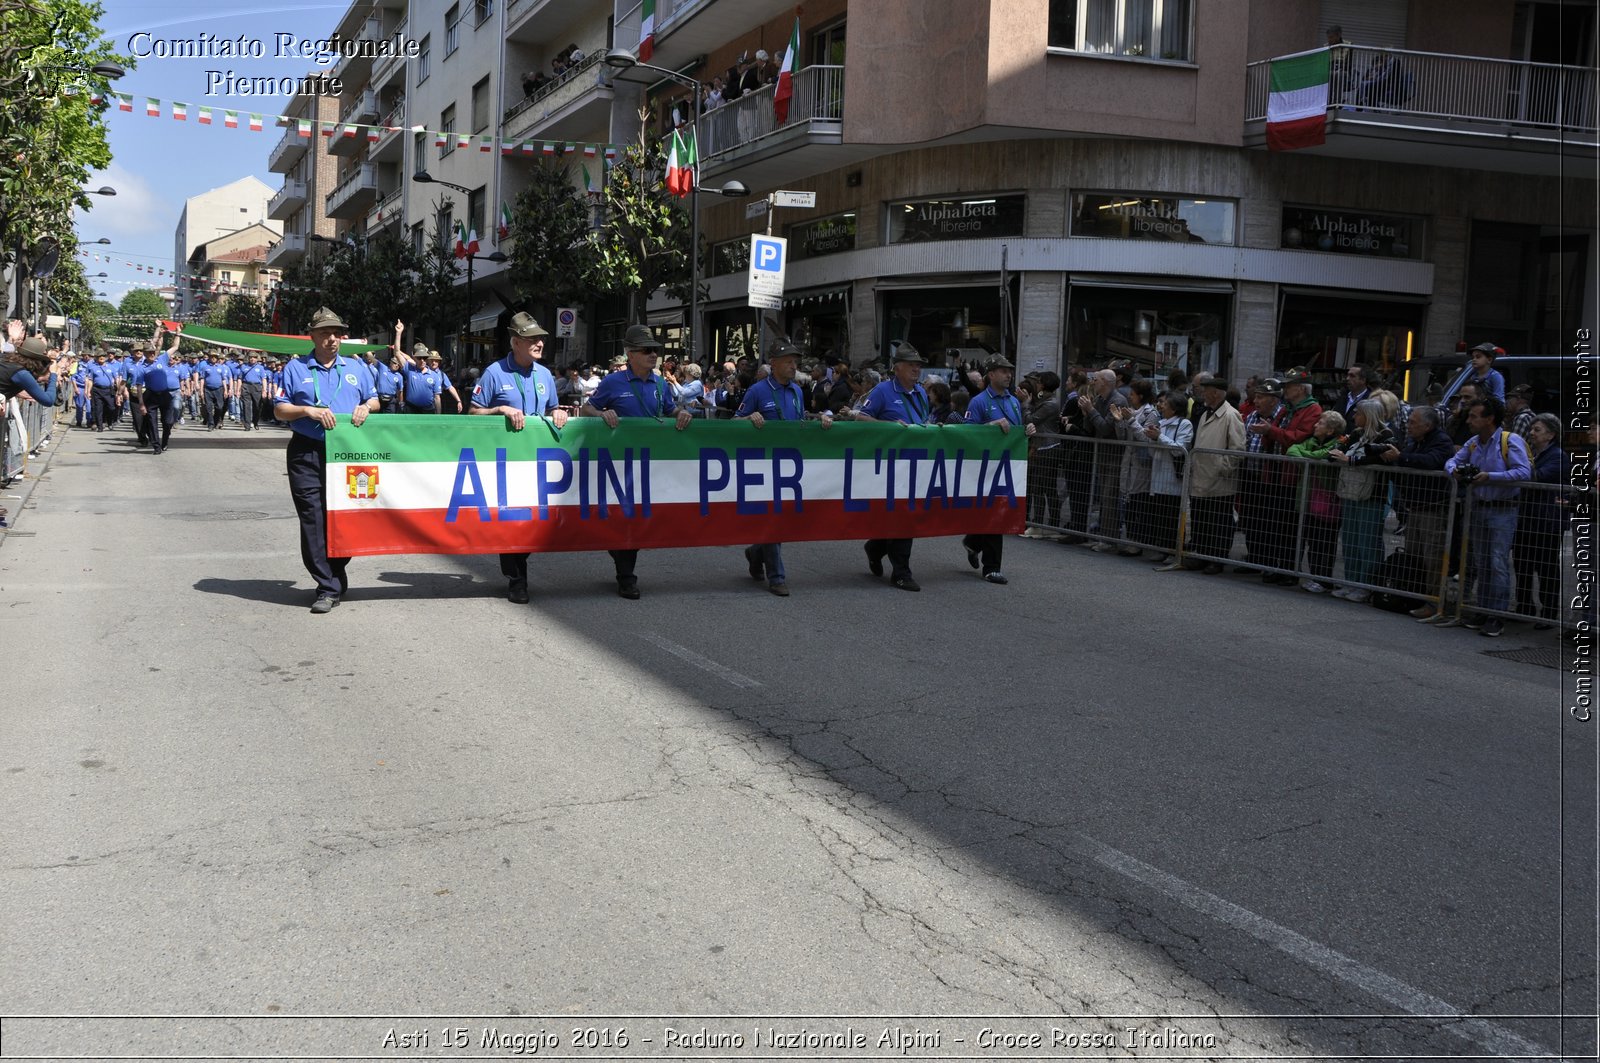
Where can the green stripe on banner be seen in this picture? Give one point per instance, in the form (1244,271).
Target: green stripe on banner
(461,485)
(1299,72)
(420,437)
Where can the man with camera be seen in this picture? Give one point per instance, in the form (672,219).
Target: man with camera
(1490,464)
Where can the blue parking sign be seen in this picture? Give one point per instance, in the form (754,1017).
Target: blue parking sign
(767,254)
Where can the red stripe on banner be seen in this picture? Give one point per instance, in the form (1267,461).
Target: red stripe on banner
(1301,133)
(369,532)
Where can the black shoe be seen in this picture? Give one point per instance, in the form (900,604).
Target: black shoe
(752,557)
(905,583)
(518,594)
(973,558)
(1493,627)
(629,591)
(324,604)
(1242,570)
(996,577)
(874,562)
(1473,622)
(1542,625)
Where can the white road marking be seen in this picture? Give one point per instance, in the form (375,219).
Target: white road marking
(727,675)
(1497,1039)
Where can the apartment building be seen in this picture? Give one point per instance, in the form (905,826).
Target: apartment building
(309,173)
(1103,160)
(218,212)
(233,265)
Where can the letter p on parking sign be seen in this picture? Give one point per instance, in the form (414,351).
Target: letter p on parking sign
(767,254)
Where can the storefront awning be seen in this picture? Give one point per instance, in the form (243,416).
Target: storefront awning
(487,315)
(1163,284)
(815,296)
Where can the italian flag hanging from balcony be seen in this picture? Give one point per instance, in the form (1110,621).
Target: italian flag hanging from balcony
(681,159)
(1297,109)
(785,89)
(647,30)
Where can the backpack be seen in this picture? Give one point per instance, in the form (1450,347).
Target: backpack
(1404,581)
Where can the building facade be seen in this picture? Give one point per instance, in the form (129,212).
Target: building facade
(237,205)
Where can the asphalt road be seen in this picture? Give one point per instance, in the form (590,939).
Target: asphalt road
(1288,824)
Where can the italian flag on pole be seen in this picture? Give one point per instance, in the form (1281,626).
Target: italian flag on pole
(784,92)
(680,164)
(1297,109)
(647,30)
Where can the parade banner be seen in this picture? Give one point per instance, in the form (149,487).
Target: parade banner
(403,484)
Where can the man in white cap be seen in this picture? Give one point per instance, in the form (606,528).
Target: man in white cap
(518,387)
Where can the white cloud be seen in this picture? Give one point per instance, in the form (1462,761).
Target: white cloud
(137,214)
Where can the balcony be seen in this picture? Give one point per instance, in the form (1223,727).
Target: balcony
(385,213)
(689,28)
(386,67)
(290,248)
(1458,111)
(287,151)
(744,137)
(572,107)
(290,198)
(354,194)
(362,108)
(391,136)
(532,21)
(355,67)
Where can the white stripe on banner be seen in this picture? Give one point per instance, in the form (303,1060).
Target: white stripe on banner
(431,484)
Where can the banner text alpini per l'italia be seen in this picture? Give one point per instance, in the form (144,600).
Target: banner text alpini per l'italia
(469,485)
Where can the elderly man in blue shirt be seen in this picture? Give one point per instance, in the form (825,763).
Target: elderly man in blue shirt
(519,387)
(900,399)
(634,391)
(775,397)
(1493,461)
(994,405)
(317,387)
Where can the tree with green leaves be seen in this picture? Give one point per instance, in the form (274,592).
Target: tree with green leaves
(51,132)
(239,312)
(553,258)
(139,312)
(645,244)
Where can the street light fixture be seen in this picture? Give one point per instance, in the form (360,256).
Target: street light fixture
(104,190)
(620,59)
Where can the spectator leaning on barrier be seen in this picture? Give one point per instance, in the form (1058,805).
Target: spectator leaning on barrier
(1363,495)
(1541,521)
(1212,483)
(1493,462)
(1259,501)
(1133,423)
(1173,435)
(1427,499)
(1323,504)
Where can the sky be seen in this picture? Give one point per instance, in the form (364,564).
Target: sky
(157,163)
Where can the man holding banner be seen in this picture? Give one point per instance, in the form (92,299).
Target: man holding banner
(994,405)
(634,391)
(778,398)
(899,399)
(315,388)
(517,386)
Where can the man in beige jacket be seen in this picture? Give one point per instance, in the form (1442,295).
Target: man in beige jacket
(1212,482)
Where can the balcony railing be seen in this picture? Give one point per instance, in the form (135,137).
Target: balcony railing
(386,211)
(290,248)
(287,151)
(584,74)
(1447,91)
(363,107)
(359,187)
(818,96)
(390,126)
(383,66)
(290,198)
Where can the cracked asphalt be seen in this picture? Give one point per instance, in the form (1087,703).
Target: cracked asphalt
(1294,823)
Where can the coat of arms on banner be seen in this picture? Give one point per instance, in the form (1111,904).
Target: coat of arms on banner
(362,481)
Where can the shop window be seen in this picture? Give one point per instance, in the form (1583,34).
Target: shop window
(827,45)
(1134,29)
(447,125)
(1172,219)
(730,256)
(1349,232)
(1158,330)
(1328,334)
(947,325)
(824,236)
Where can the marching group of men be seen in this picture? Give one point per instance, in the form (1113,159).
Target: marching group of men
(315,388)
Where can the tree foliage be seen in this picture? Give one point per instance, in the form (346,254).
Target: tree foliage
(553,258)
(242,313)
(371,285)
(51,134)
(138,313)
(645,244)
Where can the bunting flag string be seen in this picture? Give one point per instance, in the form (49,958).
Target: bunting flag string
(195,280)
(308,129)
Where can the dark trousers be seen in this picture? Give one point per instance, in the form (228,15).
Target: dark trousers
(1322,543)
(419,409)
(1536,555)
(1212,526)
(514,567)
(307,460)
(141,421)
(159,405)
(1138,519)
(989,547)
(625,560)
(216,407)
(102,407)
(1044,494)
(386,404)
(1164,521)
(1078,466)
(250,405)
(898,551)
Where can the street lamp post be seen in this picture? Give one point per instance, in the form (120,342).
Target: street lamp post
(620,59)
(425,178)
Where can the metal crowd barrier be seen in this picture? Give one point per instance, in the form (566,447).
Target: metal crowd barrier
(1291,519)
(24,430)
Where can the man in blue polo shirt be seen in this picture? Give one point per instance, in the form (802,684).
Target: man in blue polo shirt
(994,405)
(776,397)
(901,399)
(135,388)
(251,378)
(518,388)
(213,380)
(160,384)
(318,386)
(102,392)
(634,391)
(422,390)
